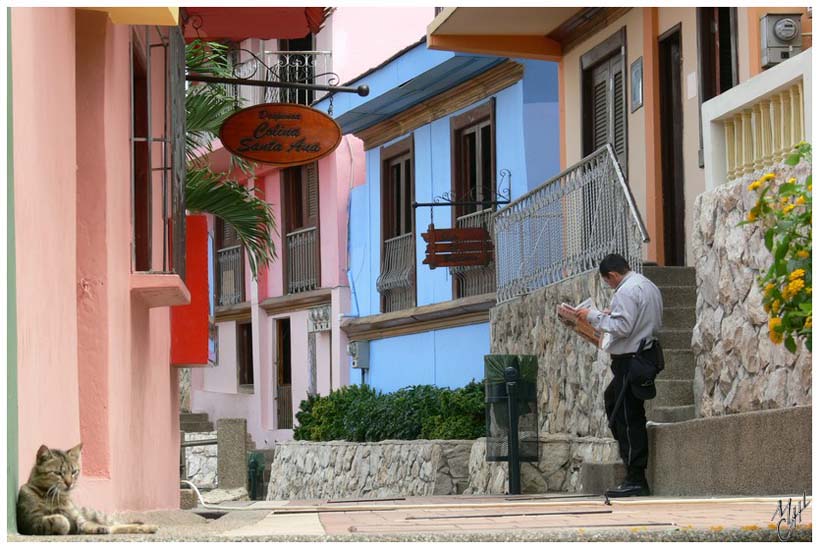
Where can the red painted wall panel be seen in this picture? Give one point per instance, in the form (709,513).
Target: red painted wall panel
(190,324)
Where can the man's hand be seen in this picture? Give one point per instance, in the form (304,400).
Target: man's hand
(581,314)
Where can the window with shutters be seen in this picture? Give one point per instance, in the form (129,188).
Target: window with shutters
(473,180)
(230,268)
(717,55)
(604,98)
(300,189)
(397,279)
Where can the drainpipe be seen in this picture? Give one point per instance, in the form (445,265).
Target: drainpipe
(11,312)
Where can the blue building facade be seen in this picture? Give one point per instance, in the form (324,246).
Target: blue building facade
(436,123)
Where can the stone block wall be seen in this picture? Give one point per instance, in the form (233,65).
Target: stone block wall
(201,461)
(737,368)
(572,377)
(341,469)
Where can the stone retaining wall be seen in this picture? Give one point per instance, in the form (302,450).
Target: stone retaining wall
(572,377)
(737,368)
(201,461)
(341,469)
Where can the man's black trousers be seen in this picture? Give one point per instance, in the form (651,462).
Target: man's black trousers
(629,427)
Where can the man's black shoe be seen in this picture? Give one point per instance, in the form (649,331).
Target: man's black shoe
(629,489)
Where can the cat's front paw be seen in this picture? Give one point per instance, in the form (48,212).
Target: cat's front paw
(91,528)
(57,524)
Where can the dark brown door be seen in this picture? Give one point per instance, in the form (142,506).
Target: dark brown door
(669,54)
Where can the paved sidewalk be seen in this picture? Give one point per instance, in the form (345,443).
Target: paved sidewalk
(557,517)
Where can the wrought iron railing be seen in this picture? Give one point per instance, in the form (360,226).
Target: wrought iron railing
(284,407)
(566,226)
(473,280)
(302,260)
(397,281)
(298,67)
(230,276)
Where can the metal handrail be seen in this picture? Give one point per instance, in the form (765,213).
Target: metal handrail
(565,226)
(474,280)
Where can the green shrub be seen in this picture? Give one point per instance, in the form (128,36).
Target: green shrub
(359,413)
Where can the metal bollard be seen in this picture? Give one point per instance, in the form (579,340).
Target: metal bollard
(511,377)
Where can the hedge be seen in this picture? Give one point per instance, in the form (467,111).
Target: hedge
(360,413)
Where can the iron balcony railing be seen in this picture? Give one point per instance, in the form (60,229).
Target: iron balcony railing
(284,407)
(566,226)
(397,281)
(474,280)
(302,260)
(231,276)
(300,67)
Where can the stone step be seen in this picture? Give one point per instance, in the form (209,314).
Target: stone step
(597,477)
(670,276)
(756,453)
(673,393)
(679,296)
(196,426)
(672,338)
(670,414)
(679,364)
(680,318)
(193,417)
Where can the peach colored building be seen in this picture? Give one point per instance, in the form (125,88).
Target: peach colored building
(279,337)
(91,110)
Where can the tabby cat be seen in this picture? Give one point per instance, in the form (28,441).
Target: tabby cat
(44,504)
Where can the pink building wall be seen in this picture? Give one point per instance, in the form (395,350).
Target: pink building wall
(358,39)
(93,357)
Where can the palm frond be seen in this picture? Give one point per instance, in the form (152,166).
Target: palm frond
(252,217)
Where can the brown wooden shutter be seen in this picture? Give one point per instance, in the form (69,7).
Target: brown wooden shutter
(618,113)
(600,107)
(227,235)
(311,195)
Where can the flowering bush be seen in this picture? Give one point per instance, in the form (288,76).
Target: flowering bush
(784,210)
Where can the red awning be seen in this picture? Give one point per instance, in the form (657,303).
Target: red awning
(238,24)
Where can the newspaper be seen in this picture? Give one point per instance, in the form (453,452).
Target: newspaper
(568,315)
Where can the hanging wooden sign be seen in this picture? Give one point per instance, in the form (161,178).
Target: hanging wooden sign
(282,134)
(459,246)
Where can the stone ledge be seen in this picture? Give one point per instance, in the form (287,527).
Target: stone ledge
(160,289)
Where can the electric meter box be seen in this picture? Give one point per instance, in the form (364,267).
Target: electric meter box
(359,352)
(780,38)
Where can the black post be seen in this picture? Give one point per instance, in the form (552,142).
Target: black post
(511,377)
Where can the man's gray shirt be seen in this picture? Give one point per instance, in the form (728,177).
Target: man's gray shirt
(636,313)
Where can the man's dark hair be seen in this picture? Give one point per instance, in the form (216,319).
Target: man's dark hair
(613,263)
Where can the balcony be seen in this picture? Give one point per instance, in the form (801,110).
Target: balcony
(397,281)
(753,126)
(302,260)
(297,67)
(475,280)
(230,276)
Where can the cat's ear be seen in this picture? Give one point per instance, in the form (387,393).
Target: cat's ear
(74,452)
(43,453)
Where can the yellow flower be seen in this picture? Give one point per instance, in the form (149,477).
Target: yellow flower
(752,216)
(776,338)
(800,200)
(809,187)
(808,290)
(797,274)
(767,177)
(788,208)
(766,308)
(754,185)
(807,323)
(775,306)
(797,285)
(788,293)
(768,288)
(774,324)
(803,254)
(784,200)
(792,181)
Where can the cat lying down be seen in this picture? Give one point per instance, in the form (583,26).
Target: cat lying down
(44,505)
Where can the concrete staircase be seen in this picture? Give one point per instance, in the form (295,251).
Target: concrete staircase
(195,422)
(675,401)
